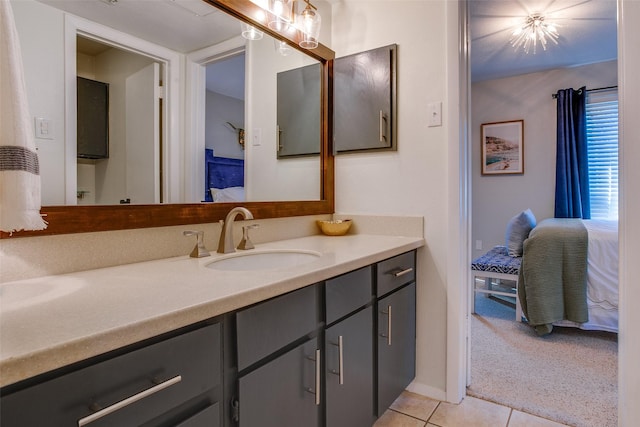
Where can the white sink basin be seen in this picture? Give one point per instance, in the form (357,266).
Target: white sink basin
(263,260)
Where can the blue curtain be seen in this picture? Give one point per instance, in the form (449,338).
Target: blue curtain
(572,173)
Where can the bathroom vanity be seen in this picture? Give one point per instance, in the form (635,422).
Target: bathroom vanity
(178,343)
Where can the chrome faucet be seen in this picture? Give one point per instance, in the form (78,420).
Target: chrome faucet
(225,245)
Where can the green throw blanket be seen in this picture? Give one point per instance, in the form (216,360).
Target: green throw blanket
(552,283)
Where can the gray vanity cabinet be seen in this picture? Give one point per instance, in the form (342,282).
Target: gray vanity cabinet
(332,354)
(396,327)
(349,350)
(175,382)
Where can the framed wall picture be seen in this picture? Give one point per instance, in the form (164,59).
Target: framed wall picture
(502,151)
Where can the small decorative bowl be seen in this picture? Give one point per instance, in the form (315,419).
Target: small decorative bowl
(337,227)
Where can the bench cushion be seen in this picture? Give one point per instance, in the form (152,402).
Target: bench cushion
(497,260)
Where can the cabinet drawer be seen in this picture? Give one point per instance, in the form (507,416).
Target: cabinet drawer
(269,326)
(161,377)
(347,293)
(395,272)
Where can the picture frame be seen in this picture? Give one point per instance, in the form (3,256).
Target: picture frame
(502,149)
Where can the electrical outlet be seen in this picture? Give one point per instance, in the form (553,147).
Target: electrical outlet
(478,245)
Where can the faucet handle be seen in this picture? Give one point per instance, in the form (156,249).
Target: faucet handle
(199,251)
(246,243)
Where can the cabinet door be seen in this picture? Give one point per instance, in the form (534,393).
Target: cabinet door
(364,100)
(396,344)
(298,111)
(349,371)
(283,392)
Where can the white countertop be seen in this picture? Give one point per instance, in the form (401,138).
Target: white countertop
(53,321)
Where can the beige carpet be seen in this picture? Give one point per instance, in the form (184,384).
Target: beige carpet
(569,376)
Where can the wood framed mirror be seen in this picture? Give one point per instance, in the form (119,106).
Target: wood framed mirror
(78,219)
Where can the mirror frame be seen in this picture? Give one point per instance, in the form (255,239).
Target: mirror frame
(82,219)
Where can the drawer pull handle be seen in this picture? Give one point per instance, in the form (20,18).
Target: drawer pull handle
(400,272)
(128,401)
(388,334)
(317,390)
(340,371)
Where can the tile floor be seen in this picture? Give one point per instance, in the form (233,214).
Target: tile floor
(413,410)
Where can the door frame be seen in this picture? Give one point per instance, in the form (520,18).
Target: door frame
(195,102)
(171,76)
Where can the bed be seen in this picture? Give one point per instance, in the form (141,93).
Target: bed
(224,178)
(569,275)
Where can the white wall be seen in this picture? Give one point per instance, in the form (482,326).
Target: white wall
(219,136)
(413,180)
(41,32)
(496,198)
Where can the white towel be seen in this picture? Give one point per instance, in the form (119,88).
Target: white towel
(19,167)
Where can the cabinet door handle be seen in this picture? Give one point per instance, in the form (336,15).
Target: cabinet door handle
(278,134)
(340,371)
(317,390)
(400,272)
(388,334)
(383,121)
(318,377)
(128,401)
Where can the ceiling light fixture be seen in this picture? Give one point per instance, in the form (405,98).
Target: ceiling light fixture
(534,29)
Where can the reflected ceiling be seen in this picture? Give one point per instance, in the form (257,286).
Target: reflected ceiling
(587,31)
(199,25)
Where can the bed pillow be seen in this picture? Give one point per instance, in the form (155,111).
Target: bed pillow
(518,230)
(229,194)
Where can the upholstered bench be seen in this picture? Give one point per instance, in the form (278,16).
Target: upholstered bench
(494,267)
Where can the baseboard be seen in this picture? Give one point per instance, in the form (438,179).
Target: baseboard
(426,390)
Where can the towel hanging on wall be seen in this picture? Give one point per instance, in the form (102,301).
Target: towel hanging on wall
(19,167)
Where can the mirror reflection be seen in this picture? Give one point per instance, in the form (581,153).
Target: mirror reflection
(209,133)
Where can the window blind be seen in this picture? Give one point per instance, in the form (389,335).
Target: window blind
(602,148)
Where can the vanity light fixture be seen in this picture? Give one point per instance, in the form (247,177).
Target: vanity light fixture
(281,14)
(284,19)
(282,47)
(309,23)
(534,29)
(250,32)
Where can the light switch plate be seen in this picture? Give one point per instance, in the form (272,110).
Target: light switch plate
(257,137)
(434,114)
(43,128)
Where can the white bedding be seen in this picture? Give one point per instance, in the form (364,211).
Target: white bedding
(602,277)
